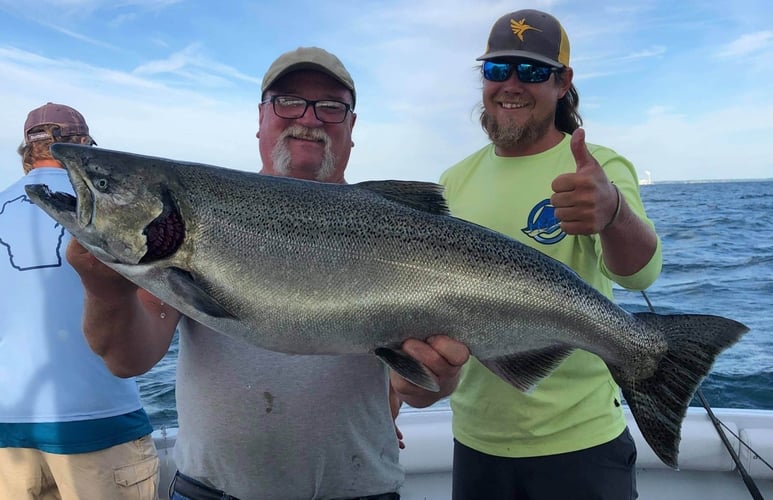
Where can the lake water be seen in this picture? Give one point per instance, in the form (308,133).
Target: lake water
(718,259)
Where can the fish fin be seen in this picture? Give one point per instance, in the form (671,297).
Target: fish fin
(525,369)
(408,368)
(659,402)
(424,196)
(183,284)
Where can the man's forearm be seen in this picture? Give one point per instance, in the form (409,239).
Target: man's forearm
(628,244)
(123,331)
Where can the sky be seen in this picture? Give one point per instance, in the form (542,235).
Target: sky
(682,88)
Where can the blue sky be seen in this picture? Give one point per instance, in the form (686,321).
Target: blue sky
(680,87)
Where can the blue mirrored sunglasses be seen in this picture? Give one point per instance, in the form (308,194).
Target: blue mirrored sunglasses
(527,72)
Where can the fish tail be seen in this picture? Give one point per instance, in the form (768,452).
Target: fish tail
(659,402)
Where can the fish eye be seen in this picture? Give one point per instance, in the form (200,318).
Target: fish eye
(101,184)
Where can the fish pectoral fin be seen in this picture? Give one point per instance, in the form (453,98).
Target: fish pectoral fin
(408,368)
(424,196)
(525,369)
(183,284)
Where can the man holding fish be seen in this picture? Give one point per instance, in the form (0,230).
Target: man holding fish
(255,423)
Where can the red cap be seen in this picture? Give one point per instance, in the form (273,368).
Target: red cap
(69,121)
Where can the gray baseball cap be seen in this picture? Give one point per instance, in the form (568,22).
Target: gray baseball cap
(312,58)
(530,34)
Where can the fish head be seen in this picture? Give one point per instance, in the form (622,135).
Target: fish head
(120,201)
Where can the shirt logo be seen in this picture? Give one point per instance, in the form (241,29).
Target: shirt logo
(15,245)
(543,225)
(520,27)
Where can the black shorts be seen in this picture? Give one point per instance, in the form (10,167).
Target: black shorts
(604,472)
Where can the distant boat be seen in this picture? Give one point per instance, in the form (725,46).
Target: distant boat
(648,180)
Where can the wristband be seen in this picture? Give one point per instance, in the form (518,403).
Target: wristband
(617,209)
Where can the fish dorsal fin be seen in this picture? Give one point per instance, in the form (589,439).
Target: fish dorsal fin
(184,285)
(424,196)
(525,369)
(408,368)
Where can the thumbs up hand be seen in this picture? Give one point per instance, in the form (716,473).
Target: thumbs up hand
(585,201)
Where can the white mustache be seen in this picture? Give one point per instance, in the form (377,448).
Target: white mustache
(305,133)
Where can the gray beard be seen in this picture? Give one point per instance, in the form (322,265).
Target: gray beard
(510,136)
(282,159)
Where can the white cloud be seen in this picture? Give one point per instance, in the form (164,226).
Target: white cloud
(78,36)
(192,63)
(748,44)
(655,51)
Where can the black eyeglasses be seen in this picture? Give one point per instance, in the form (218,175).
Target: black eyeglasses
(527,72)
(326,110)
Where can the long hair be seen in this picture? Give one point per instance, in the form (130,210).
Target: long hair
(39,150)
(568,117)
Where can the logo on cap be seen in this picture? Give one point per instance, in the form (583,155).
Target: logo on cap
(520,27)
(548,44)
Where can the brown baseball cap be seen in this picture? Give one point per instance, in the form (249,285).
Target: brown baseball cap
(530,34)
(312,58)
(69,121)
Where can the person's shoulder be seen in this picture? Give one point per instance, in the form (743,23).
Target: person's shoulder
(608,157)
(598,151)
(618,168)
(47,171)
(466,164)
(13,186)
(44,175)
(16,187)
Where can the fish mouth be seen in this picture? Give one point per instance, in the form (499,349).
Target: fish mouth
(74,213)
(58,204)
(68,210)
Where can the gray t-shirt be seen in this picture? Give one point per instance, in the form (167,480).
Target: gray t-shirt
(264,425)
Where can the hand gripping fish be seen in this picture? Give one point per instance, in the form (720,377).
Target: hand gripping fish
(313,268)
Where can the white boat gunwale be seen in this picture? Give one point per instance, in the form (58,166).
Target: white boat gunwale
(707,470)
